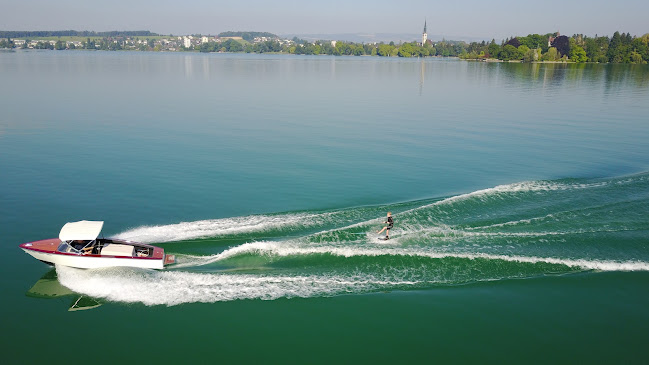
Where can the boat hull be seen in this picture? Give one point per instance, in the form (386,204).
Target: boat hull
(46,251)
(95,262)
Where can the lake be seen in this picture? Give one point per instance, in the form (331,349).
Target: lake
(520,194)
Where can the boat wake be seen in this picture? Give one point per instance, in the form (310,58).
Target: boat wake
(521,230)
(223,227)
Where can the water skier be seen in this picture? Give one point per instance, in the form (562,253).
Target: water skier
(389,223)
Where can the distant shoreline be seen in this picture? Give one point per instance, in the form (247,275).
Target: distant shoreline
(533,48)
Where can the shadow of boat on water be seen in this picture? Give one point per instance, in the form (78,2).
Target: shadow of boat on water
(48,287)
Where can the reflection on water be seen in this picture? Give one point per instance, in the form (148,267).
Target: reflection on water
(421,76)
(48,287)
(217,67)
(564,74)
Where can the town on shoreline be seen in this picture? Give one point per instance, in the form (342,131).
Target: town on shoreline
(550,47)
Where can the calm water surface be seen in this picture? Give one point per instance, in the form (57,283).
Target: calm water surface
(520,194)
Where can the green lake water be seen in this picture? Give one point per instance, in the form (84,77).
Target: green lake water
(520,195)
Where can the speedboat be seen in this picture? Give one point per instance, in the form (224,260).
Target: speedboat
(78,246)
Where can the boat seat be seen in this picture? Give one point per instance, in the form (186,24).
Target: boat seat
(115,249)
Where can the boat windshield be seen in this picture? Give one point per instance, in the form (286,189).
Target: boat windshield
(65,247)
(78,246)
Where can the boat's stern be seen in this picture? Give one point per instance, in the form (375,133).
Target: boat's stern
(169,260)
(159,254)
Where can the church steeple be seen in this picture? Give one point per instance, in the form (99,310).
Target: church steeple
(424,36)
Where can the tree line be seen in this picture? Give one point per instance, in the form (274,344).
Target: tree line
(338,48)
(620,48)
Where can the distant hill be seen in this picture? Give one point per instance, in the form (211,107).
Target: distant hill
(73,33)
(358,37)
(249,36)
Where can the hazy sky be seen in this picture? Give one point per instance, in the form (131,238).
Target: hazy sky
(467,18)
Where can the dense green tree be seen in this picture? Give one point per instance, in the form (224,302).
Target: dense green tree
(385,50)
(406,50)
(615,46)
(636,57)
(326,48)
(551,55)
(533,41)
(207,47)
(448,49)
(475,47)
(6,43)
(232,45)
(509,53)
(469,56)
(44,45)
(308,49)
(345,49)
(641,46)
(493,49)
(596,48)
(577,54)
(645,38)
(531,55)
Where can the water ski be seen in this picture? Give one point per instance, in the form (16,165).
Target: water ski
(383,238)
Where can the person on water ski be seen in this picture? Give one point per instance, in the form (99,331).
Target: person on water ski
(388,225)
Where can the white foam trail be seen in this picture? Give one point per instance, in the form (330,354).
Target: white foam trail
(173,288)
(516,223)
(220,227)
(284,249)
(525,186)
(177,287)
(409,231)
(260,223)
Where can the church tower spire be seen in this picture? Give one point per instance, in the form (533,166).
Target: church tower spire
(424,36)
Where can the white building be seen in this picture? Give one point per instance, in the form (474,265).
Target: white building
(187,42)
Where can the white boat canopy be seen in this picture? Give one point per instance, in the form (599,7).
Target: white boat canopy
(82,230)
